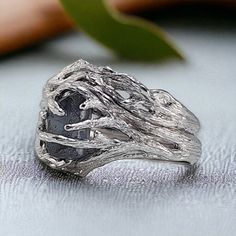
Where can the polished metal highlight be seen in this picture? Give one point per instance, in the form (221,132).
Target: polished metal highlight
(118,118)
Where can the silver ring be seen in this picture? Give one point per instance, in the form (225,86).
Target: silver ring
(91,116)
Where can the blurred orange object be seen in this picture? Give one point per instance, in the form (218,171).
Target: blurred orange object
(137,5)
(27,22)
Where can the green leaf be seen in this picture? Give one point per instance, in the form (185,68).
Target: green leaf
(130,37)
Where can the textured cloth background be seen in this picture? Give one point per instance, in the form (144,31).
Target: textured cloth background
(125,197)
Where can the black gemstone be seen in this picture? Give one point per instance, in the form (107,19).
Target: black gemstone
(55,125)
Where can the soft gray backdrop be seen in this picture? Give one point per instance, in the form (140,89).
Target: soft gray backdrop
(126,197)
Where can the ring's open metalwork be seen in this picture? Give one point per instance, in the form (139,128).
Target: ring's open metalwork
(91,116)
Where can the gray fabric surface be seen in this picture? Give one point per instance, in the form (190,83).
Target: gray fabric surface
(125,197)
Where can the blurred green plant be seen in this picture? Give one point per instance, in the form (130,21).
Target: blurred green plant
(127,36)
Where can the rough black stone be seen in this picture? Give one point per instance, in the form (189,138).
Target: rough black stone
(55,125)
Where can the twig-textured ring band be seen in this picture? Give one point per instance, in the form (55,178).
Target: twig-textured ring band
(91,116)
